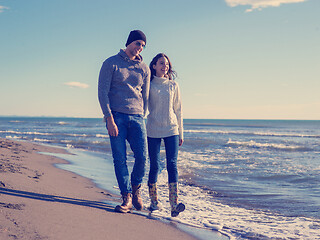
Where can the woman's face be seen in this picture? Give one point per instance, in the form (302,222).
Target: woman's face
(161,67)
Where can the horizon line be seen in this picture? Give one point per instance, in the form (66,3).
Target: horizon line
(256,119)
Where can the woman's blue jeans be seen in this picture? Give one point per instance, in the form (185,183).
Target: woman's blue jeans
(172,148)
(131,128)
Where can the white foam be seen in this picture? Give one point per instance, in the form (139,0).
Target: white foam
(26,133)
(13,137)
(41,140)
(203,210)
(75,135)
(102,135)
(44,134)
(265,145)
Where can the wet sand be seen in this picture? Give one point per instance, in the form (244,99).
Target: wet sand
(40,201)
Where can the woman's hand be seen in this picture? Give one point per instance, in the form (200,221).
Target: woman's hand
(180,142)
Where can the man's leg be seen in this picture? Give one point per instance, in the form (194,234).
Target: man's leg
(118,146)
(137,137)
(119,153)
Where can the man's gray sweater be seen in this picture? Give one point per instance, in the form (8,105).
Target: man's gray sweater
(124,85)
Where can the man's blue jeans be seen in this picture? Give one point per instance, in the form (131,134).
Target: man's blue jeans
(172,147)
(131,128)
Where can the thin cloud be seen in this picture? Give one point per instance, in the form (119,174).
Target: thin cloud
(2,8)
(260,4)
(76,84)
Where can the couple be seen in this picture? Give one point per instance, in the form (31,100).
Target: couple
(126,87)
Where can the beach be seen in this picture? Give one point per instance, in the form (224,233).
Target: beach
(40,201)
(239,179)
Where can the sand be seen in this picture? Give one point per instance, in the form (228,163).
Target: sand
(40,201)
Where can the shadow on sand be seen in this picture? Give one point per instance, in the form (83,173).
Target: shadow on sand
(54,198)
(192,230)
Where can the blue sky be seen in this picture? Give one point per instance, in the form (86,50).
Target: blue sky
(236,59)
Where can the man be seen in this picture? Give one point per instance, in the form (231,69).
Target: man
(123,92)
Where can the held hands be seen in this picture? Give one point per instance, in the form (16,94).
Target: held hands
(112,127)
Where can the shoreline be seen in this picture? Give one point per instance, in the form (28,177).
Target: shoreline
(100,172)
(225,169)
(39,200)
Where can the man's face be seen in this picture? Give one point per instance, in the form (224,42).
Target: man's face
(135,48)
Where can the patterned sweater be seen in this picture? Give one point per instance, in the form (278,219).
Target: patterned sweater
(165,111)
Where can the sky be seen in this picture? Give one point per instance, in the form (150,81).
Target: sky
(235,59)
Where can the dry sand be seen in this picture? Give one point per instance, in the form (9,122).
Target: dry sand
(40,201)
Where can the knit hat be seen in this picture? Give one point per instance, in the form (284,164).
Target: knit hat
(136,35)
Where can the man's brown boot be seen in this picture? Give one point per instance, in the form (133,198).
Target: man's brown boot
(136,198)
(126,206)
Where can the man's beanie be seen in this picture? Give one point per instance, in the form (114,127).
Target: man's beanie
(136,35)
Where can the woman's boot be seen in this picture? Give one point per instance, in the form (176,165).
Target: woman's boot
(176,207)
(155,205)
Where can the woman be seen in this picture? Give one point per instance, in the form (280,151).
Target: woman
(164,122)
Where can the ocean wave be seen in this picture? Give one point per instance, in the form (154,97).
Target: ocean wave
(41,140)
(276,146)
(46,134)
(13,137)
(101,135)
(75,134)
(229,125)
(208,211)
(63,123)
(26,133)
(267,134)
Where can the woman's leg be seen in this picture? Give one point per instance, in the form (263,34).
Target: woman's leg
(172,148)
(154,156)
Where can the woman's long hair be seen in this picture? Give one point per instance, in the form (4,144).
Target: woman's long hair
(171,74)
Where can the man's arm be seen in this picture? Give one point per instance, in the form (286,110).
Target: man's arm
(104,84)
(112,127)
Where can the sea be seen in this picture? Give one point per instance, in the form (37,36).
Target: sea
(246,179)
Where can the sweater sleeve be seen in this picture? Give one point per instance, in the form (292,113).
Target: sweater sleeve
(145,92)
(177,107)
(104,84)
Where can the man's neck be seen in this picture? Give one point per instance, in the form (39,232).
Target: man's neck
(131,57)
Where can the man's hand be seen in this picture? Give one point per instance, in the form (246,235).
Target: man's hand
(112,127)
